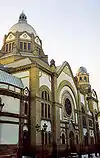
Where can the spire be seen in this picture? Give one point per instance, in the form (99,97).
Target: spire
(22,17)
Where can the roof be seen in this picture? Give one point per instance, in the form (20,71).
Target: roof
(82,70)
(22,26)
(10,79)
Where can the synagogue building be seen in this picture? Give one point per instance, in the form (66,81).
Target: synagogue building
(43,107)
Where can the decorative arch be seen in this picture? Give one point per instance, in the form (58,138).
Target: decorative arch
(66,83)
(63,136)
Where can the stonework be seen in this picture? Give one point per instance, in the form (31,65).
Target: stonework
(65,103)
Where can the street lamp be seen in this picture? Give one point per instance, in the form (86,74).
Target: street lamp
(1,104)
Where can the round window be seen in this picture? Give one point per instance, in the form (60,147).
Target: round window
(68,106)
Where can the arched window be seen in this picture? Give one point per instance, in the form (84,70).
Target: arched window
(85,79)
(45,105)
(80,78)
(63,138)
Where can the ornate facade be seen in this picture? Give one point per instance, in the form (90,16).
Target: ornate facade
(62,109)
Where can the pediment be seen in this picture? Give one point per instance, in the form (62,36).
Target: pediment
(65,67)
(10,37)
(25,36)
(37,40)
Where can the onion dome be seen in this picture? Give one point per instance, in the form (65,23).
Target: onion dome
(22,26)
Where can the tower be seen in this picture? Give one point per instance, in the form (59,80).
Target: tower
(83,79)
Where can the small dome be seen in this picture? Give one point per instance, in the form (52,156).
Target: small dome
(22,26)
(82,70)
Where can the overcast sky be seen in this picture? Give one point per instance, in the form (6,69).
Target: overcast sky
(69,30)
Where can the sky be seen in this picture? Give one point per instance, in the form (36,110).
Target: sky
(69,30)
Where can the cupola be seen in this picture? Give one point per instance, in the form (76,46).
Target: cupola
(82,77)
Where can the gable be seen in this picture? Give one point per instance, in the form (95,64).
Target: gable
(67,71)
(10,37)
(37,40)
(65,74)
(25,36)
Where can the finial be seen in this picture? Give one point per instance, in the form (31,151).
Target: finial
(52,62)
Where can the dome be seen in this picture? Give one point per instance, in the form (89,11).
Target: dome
(82,70)
(22,26)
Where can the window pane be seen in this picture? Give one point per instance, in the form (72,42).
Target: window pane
(25,46)
(21,45)
(29,46)
(42,109)
(45,110)
(48,111)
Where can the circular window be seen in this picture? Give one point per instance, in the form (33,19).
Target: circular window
(68,106)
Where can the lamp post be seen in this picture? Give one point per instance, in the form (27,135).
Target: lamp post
(1,104)
(43,130)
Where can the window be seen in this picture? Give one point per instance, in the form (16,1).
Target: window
(76,139)
(45,110)
(42,109)
(84,121)
(25,46)
(9,47)
(49,138)
(6,47)
(63,139)
(21,45)
(85,79)
(48,111)
(26,106)
(45,95)
(48,98)
(80,78)
(68,106)
(45,106)
(42,95)
(90,123)
(45,138)
(42,137)
(29,46)
(92,140)
(13,45)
